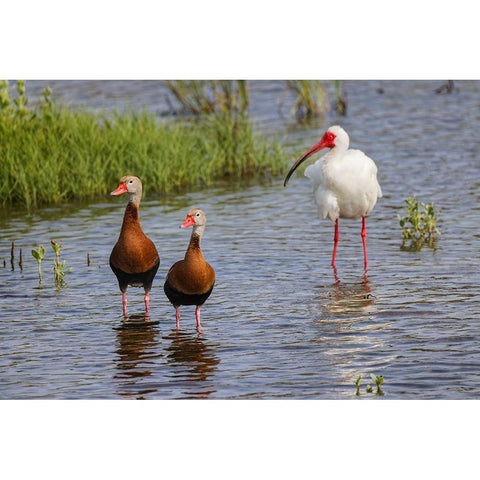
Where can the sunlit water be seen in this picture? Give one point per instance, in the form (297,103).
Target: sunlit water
(279,323)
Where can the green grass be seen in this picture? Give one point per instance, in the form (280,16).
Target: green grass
(209,96)
(312,99)
(51,154)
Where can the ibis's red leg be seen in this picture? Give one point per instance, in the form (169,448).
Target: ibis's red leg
(336,237)
(124,303)
(197,316)
(364,240)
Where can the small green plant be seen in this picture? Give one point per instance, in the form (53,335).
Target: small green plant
(419,224)
(58,266)
(378,382)
(38,255)
(357,383)
(369,389)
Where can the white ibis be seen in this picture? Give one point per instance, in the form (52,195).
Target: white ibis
(134,258)
(344,182)
(190,281)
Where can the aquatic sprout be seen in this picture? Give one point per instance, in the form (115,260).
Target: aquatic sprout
(378,382)
(357,383)
(38,255)
(419,224)
(58,266)
(369,389)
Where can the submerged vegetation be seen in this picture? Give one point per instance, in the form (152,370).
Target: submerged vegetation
(51,154)
(38,254)
(419,225)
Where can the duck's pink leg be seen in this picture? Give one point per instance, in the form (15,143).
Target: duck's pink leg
(147,302)
(124,303)
(177,316)
(336,237)
(197,316)
(364,240)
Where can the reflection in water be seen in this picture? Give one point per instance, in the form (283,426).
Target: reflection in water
(136,341)
(193,361)
(348,299)
(349,330)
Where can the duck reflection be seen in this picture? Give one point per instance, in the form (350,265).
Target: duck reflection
(195,359)
(136,339)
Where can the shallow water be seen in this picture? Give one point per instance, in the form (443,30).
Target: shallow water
(279,323)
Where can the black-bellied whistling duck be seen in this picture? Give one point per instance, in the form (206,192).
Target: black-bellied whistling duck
(134,258)
(190,281)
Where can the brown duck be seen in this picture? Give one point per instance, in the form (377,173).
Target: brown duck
(190,281)
(134,258)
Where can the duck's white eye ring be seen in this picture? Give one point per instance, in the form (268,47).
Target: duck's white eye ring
(197,214)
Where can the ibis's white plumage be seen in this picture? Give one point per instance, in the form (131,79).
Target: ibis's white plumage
(344,181)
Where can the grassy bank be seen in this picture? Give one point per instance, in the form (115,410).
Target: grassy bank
(50,154)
